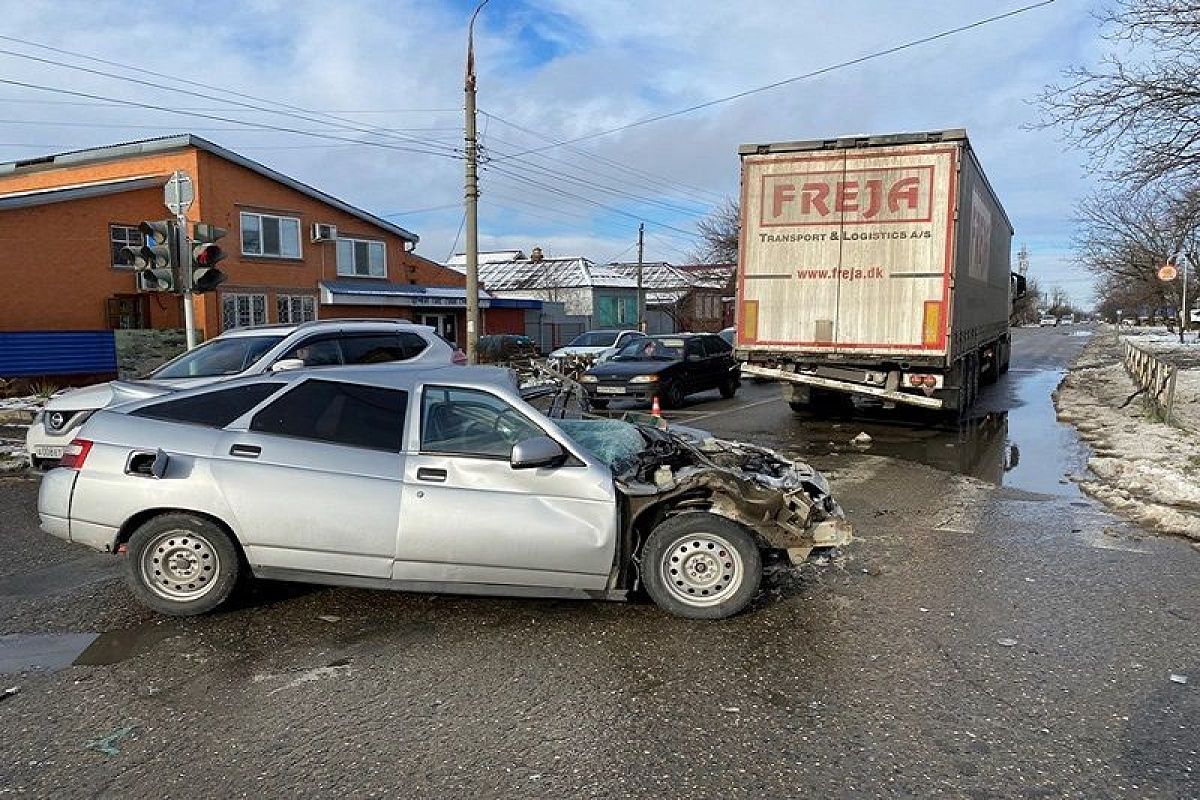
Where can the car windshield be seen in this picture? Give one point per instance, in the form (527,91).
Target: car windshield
(594,339)
(655,349)
(218,357)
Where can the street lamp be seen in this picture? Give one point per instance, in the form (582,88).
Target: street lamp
(471,195)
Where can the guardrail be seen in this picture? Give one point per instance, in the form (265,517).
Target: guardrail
(1154,376)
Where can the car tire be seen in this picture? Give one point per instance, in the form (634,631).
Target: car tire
(701,566)
(598,404)
(182,565)
(673,395)
(729,387)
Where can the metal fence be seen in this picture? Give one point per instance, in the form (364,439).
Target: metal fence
(1154,376)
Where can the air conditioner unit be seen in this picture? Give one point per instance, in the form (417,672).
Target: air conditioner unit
(324,232)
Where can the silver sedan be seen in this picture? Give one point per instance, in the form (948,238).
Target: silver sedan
(426,479)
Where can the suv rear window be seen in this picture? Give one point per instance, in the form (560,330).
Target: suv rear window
(338,413)
(215,409)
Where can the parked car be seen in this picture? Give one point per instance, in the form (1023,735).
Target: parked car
(1048,321)
(429,479)
(243,351)
(593,346)
(668,367)
(729,335)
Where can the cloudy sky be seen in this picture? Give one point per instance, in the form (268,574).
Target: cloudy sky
(364,98)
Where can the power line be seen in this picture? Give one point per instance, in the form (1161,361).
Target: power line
(656,179)
(563,192)
(200,115)
(794,79)
(351,126)
(589,184)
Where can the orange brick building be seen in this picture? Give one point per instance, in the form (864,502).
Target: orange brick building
(294,252)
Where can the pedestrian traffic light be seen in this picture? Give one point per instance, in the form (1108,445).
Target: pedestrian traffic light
(206,253)
(156,260)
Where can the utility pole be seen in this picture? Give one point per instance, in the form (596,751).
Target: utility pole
(185,278)
(641,293)
(471,196)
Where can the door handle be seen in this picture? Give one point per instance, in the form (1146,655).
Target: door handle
(245,450)
(431,474)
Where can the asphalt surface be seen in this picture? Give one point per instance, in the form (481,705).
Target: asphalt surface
(992,634)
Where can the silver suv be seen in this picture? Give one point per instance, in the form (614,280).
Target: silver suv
(244,351)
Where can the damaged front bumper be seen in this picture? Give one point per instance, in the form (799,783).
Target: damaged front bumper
(786,504)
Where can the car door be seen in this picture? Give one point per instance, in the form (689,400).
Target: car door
(313,479)
(469,517)
(718,361)
(694,365)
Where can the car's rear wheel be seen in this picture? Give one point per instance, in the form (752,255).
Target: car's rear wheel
(182,564)
(701,566)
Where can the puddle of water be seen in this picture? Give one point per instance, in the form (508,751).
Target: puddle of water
(50,652)
(1044,449)
(43,652)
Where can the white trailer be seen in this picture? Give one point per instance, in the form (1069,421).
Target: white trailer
(876,266)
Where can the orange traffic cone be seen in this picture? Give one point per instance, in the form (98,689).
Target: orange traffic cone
(655,409)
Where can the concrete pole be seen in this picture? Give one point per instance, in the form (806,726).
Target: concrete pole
(641,293)
(183,271)
(471,196)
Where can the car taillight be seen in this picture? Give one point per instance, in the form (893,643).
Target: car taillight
(75,454)
(459,357)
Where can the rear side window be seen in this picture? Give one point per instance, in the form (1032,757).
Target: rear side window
(716,346)
(215,409)
(339,413)
(413,344)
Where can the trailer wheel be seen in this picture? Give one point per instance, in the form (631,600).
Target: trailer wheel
(991,373)
(1005,356)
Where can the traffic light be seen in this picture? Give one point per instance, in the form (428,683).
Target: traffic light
(157,259)
(206,253)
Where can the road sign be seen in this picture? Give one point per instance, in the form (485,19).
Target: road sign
(178,193)
(1167,272)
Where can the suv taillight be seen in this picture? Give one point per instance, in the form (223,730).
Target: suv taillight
(459,357)
(75,454)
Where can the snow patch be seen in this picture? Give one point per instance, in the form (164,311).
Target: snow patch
(1144,469)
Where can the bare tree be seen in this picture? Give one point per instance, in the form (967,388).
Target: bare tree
(1126,237)
(1138,110)
(719,235)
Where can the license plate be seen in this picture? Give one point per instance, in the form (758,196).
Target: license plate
(610,390)
(42,451)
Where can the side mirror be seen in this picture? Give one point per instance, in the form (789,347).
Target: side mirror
(540,451)
(287,364)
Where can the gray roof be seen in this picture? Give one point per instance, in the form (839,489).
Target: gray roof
(667,283)
(61,194)
(521,274)
(180,141)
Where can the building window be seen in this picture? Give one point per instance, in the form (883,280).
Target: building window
(361,258)
(243,310)
(615,311)
(274,237)
(124,236)
(295,308)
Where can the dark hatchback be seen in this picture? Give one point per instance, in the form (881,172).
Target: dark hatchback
(670,367)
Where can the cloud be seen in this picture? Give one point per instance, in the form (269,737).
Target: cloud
(562,69)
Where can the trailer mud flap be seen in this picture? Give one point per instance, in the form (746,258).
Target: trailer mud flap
(890,395)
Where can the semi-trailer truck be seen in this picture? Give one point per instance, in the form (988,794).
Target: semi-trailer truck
(873,266)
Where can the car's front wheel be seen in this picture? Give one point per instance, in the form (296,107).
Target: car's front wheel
(729,387)
(182,564)
(701,566)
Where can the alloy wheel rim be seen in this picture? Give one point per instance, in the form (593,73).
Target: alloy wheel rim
(180,566)
(702,569)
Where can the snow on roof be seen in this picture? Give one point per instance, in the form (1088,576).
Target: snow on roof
(575,272)
(486,257)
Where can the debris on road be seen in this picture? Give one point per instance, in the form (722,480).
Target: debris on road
(108,744)
(1007,642)
(862,440)
(329,618)
(1177,678)
(9,692)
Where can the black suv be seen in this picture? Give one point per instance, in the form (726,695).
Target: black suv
(669,367)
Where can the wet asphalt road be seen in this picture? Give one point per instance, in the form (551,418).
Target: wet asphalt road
(992,634)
